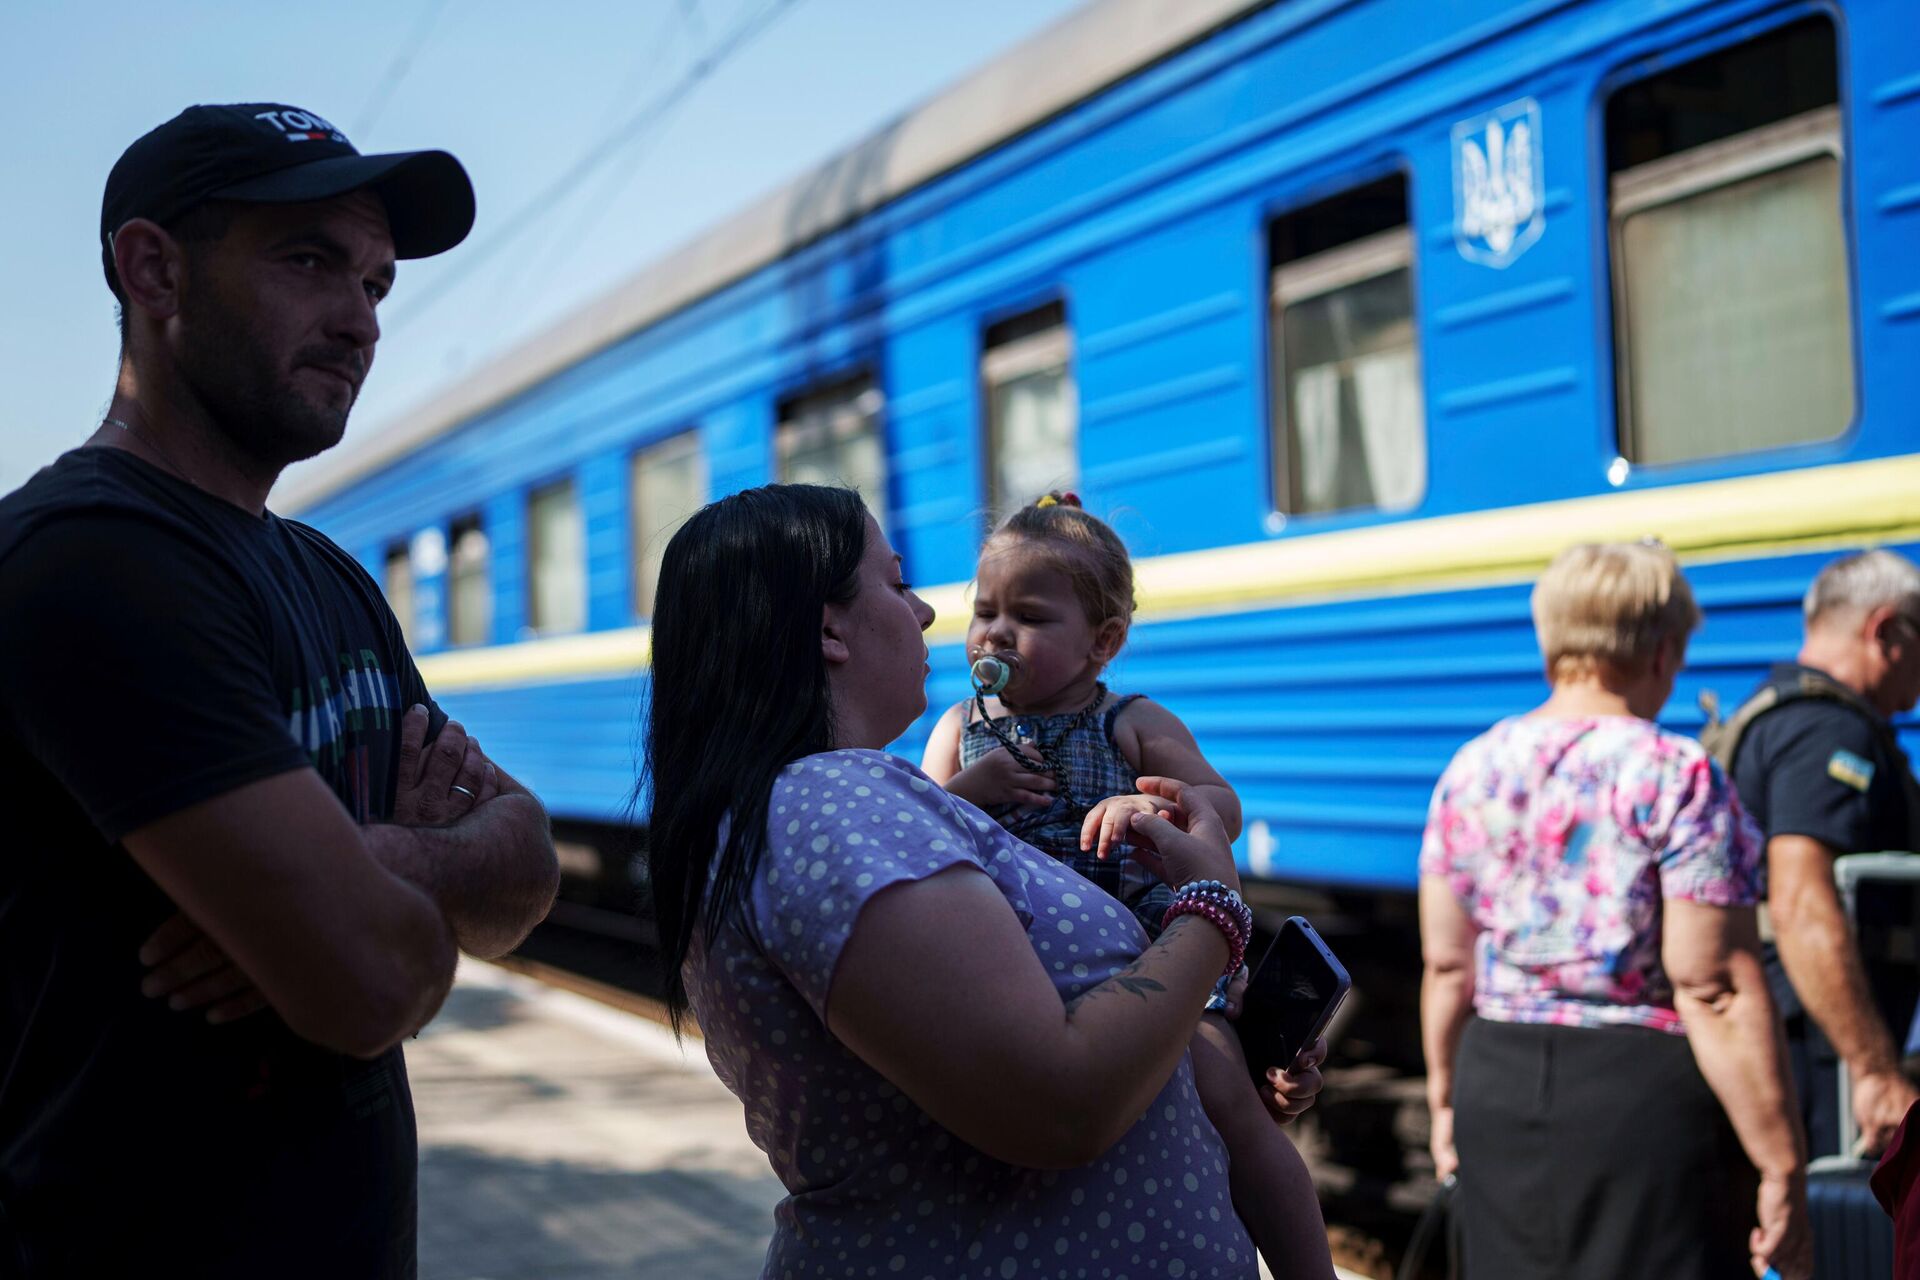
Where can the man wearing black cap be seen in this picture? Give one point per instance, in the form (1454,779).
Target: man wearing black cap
(222,793)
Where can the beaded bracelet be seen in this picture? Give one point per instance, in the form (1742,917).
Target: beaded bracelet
(1214,891)
(1211,889)
(1220,906)
(1221,918)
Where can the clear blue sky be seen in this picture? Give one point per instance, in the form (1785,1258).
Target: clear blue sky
(518,91)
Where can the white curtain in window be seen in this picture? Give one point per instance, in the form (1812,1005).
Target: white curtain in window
(857,462)
(400,590)
(469,591)
(1386,385)
(835,440)
(669,485)
(1034,449)
(558,561)
(1316,424)
(1738,326)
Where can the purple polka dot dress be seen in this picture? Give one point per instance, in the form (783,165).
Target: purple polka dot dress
(875,1186)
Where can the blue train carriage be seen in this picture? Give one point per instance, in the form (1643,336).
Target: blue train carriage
(1349,313)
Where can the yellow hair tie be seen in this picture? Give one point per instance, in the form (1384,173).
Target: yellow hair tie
(1048,501)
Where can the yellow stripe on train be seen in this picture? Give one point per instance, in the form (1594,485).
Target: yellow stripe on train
(1816,508)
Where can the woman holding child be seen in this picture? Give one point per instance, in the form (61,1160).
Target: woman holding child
(1619,1106)
(961,1058)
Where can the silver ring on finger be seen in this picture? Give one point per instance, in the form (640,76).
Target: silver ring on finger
(463,791)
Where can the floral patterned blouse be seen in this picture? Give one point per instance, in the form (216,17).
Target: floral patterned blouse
(1561,837)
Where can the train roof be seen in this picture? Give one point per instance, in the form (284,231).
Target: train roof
(1068,62)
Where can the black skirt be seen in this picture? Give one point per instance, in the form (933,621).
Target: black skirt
(1594,1154)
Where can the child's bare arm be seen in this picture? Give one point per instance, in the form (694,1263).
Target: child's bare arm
(941,760)
(1158,744)
(996,778)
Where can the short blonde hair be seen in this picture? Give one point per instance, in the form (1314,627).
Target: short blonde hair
(1611,602)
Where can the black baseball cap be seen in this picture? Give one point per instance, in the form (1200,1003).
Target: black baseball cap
(269,153)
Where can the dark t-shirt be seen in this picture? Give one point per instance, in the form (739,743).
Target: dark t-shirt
(159,647)
(1813,767)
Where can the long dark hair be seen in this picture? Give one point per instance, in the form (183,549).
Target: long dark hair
(739,691)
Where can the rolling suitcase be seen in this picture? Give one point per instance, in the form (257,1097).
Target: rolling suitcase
(1852,1235)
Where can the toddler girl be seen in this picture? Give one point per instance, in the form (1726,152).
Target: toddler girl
(1053,757)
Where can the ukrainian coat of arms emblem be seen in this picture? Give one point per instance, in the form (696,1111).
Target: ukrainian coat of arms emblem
(1499,191)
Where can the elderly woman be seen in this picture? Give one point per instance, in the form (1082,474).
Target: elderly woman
(1587,888)
(961,1058)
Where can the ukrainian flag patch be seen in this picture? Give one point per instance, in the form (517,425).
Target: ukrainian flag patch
(1850,769)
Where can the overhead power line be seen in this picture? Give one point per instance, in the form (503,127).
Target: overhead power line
(397,70)
(557,241)
(622,135)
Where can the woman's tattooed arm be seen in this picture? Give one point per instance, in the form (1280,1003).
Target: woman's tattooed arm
(1130,979)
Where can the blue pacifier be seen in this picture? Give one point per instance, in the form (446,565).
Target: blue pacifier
(992,671)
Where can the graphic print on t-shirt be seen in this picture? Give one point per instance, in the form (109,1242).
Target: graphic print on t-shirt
(332,723)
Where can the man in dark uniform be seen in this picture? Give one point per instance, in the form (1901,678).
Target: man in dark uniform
(238,863)
(1817,762)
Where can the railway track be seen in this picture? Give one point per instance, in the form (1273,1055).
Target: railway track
(1365,1142)
(607,993)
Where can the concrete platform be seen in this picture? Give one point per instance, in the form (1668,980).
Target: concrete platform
(561,1139)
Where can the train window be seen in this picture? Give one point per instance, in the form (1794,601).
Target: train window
(556,560)
(469,589)
(1732,322)
(832,436)
(1032,414)
(1349,420)
(399,588)
(668,483)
